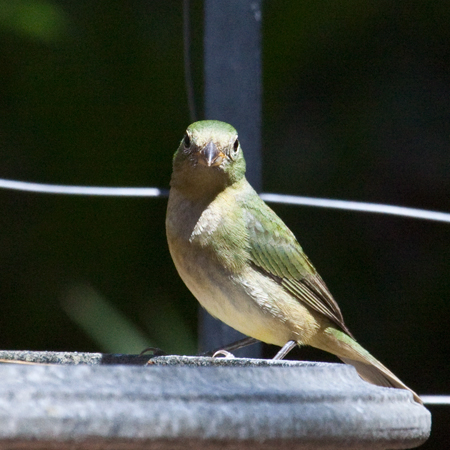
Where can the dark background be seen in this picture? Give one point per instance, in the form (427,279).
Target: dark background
(356,106)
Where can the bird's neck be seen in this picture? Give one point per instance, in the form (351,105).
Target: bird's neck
(198,186)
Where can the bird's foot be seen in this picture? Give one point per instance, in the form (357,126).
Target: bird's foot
(230,347)
(223,353)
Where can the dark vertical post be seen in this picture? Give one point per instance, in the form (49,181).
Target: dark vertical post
(232,58)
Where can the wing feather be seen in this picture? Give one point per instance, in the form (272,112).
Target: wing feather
(275,251)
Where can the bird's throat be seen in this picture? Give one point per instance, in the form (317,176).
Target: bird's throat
(199,183)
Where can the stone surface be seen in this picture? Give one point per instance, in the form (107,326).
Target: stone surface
(190,402)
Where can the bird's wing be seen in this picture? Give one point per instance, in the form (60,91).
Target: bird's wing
(274,250)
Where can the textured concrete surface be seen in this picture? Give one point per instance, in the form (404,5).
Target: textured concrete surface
(182,402)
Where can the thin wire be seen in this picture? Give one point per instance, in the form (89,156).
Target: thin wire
(358,206)
(273,198)
(187,61)
(436,399)
(83,190)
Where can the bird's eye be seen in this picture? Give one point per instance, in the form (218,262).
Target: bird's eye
(187,141)
(235,147)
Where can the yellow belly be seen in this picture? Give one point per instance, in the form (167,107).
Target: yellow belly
(249,302)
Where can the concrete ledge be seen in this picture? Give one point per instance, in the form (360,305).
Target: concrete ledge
(186,402)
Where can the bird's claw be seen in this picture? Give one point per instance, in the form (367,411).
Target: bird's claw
(223,353)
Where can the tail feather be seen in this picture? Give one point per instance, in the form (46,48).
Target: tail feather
(368,368)
(379,375)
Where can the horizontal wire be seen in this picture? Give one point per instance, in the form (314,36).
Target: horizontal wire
(82,190)
(358,206)
(272,198)
(436,399)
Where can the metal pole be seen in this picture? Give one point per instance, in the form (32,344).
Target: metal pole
(232,59)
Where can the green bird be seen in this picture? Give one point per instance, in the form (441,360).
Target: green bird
(242,262)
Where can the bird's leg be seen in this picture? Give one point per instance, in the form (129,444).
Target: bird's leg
(230,347)
(285,350)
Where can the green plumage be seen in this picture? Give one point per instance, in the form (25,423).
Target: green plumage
(242,262)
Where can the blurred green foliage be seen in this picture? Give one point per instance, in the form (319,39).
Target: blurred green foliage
(356,106)
(37,20)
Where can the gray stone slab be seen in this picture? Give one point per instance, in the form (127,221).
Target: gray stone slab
(190,402)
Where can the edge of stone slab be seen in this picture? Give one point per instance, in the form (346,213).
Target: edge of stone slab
(85,358)
(55,369)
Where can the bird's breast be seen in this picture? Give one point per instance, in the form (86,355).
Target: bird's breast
(209,248)
(213,232)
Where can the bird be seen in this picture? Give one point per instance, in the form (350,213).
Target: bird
(242,262)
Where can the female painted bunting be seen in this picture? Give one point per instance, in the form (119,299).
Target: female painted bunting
(242,262)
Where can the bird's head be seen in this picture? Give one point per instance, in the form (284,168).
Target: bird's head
(209,157)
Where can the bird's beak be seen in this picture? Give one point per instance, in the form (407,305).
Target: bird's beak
(210,155)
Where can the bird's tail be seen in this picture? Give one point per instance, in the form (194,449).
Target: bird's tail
(368,368)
